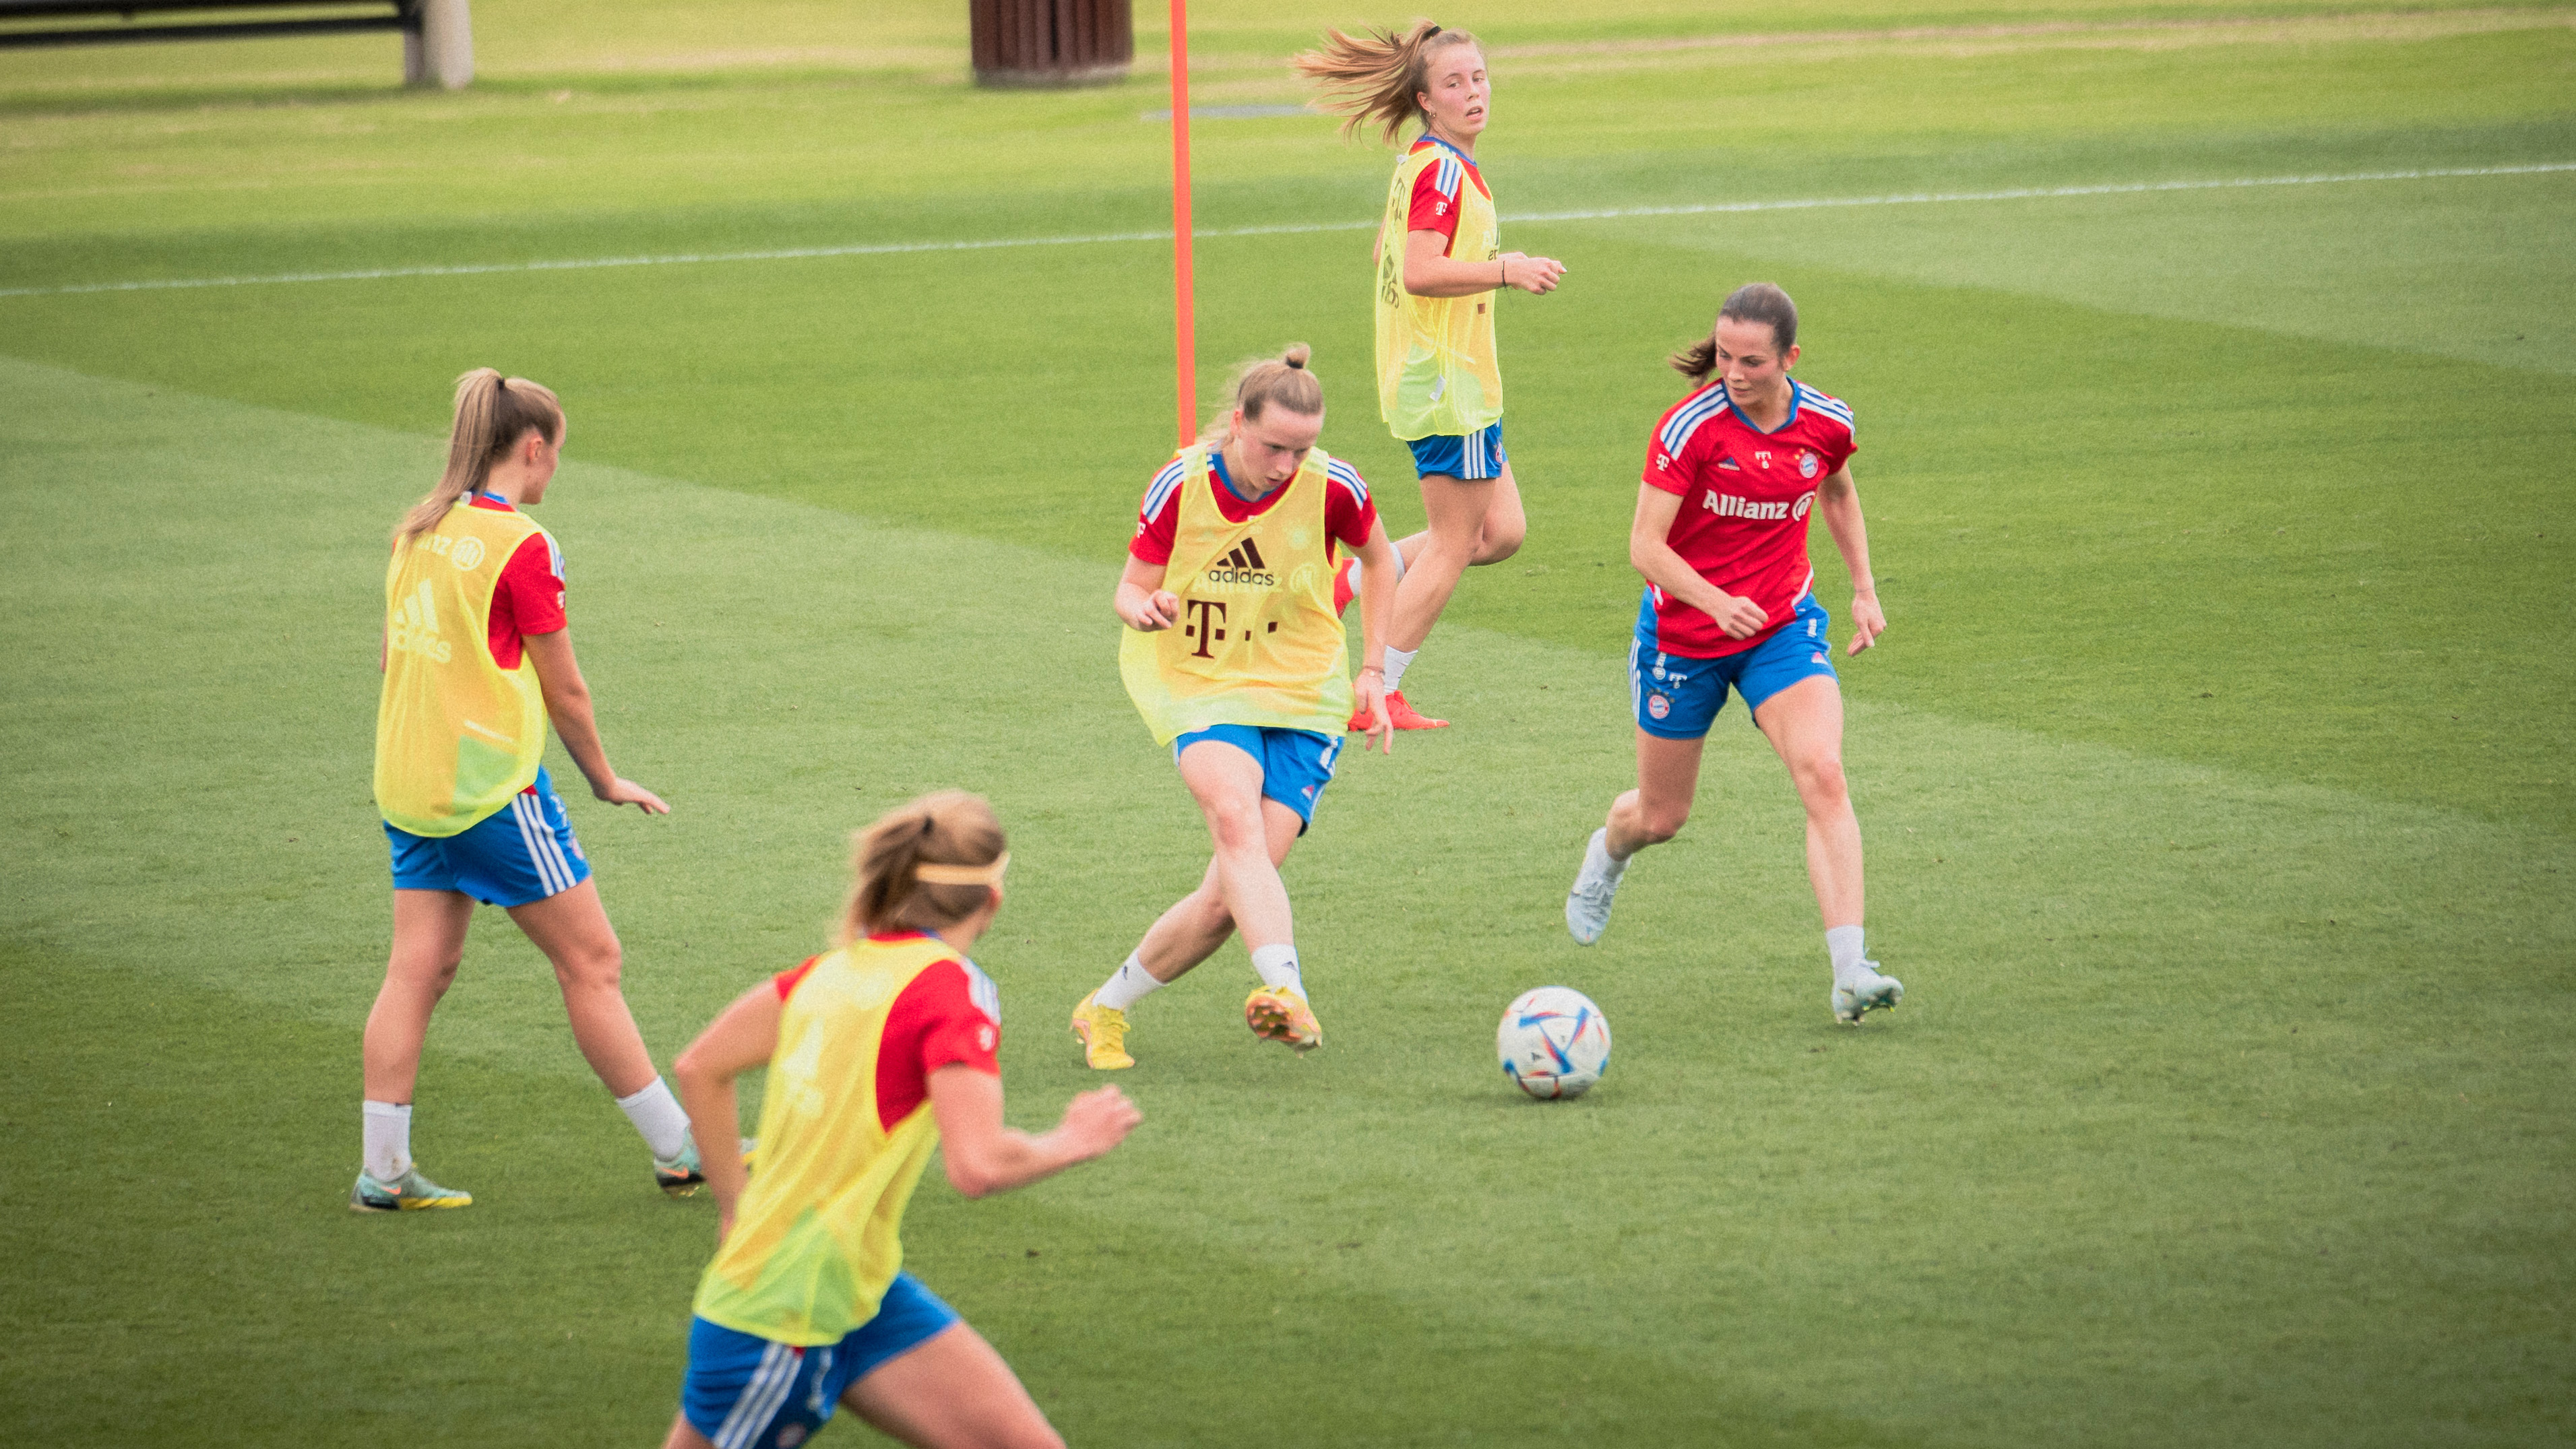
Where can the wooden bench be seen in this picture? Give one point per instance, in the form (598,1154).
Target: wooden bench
(438,35)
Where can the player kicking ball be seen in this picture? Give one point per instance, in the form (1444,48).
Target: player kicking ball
(1732,474)
(878,1053)
(1235,656)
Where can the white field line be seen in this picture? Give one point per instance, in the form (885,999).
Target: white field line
(871,249)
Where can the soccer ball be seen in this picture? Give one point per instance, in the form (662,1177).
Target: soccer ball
(1554,1042)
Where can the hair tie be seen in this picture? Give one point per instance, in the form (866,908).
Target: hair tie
(1434,30)
(982,875)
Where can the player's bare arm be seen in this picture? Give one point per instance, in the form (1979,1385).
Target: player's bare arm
(1429,271)
(1653,557)
(984,1157)
(734,1043)
(568,705)
(1142,603)
(1838,501)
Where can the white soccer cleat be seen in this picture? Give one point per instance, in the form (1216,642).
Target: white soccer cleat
(1868,992)
(1587,906)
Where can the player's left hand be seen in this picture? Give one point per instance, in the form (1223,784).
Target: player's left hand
(1868,621)
(627,792)
(1368,692)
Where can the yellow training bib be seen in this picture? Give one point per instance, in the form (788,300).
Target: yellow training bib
(1257,641)
(456,734)
(1437,375)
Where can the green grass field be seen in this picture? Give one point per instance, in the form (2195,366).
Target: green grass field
(2216,772)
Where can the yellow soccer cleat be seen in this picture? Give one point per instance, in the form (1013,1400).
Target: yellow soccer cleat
(1102,1030)
(408,1193)
(1280,1014)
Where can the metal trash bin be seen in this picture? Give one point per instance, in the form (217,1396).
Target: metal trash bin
(1052,42)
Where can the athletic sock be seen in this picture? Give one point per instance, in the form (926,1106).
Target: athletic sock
(656,1114)
(1278,967)
(1396,660)
(1597,859)
(1126,986)
(388,1139)
(1843,944)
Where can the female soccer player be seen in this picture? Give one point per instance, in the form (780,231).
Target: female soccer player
(1439,265)
(1235,544)
(878,1052)
(1721,536)
(476,661)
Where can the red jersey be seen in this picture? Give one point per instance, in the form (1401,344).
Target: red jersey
(1435,191)
(1349,516)
(529,597)
(950,1014)
(1745,498)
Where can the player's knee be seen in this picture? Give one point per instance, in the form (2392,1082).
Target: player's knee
(1239,828)
(1501,540)
(1033,1432)
(1820,782)
(592,967)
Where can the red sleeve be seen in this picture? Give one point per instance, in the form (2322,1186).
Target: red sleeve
(787,981)
(1840,451)
(527,599)
(1350,515)
(1671,472)
(936,1022)
(1434,209)
(1157,522)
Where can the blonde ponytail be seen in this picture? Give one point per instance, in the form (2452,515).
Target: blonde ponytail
(925,866)
(1284,380)
(1377,75)
(492,415)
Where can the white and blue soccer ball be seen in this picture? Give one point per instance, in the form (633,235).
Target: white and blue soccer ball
(1554,1042)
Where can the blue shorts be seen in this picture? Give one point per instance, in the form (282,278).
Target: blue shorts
(748,1392)
(1296,765)
(1677,698)
(1471,458)
(520,853)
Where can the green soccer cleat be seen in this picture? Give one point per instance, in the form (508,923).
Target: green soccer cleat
(1870,992)
(681,1176)
(408,1193)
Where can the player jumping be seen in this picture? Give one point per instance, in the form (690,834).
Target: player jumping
(1440,267)
(878,1053)
(1721,536)
(477,661)
(1235,655)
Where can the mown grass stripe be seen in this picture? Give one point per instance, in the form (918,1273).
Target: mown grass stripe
(863,249)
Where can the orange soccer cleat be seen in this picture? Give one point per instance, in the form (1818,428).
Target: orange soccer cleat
(1399,714)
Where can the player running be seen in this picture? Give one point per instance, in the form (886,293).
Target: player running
(1440,264)
(878,1052)
(476,661)
(1721,536)
(1234,545)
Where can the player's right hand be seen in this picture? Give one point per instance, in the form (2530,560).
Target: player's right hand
(1098,1120)
(1535,275)
(1157,612)
(627,792)
(1740,618)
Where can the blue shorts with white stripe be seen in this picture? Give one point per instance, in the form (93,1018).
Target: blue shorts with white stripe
(522,852)
(1472,458)
(748,1392)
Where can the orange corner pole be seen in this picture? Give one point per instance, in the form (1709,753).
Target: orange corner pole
(1184,348)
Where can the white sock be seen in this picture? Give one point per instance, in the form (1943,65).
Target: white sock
(1843,944)
(1396,660)
(388,1139)
(656,1114)
(1597,859)
(1278,967)
(1126,986)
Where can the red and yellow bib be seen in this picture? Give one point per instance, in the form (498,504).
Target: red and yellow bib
(814,1240)
(456,734)
(1257,642)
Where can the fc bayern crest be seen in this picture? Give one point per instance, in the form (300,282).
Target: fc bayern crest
(1658,706)
(1807,465)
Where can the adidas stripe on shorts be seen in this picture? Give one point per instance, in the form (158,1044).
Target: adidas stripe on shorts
(523,852)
